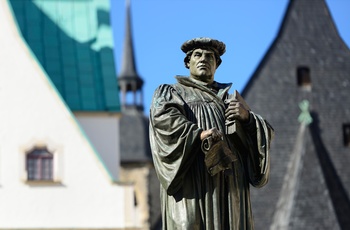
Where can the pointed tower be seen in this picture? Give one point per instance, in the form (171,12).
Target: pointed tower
(309,185)
(136,160)
(129,80)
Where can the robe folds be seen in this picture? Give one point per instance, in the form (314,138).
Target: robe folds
(190,197)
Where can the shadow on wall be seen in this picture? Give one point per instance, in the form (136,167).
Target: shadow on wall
(339,197)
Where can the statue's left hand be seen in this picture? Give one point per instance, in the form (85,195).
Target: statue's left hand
(236,111)
(213,132)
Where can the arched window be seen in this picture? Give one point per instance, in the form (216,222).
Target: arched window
(39,164)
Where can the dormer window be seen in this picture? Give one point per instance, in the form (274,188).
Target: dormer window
(346,134)
(39,164)
(303,77)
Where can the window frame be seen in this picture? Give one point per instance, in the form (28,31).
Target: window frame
(37,164)
(57,162)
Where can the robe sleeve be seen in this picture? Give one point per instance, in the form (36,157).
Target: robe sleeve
(260,134)
(175,141)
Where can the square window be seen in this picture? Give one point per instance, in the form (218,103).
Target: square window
(42,162)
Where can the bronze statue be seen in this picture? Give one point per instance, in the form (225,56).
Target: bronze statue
(207,146)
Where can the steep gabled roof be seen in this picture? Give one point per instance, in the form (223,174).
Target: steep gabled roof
(307,39)
(73,42)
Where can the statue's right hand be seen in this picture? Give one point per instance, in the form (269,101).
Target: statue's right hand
(213,132)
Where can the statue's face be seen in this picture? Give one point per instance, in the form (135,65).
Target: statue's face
(202,65)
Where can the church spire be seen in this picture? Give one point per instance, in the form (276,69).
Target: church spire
(129,81)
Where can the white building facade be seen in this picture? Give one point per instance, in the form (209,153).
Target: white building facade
(51,175)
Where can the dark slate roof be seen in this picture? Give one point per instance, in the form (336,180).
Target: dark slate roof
(134,142)
(73,42)
(307,37)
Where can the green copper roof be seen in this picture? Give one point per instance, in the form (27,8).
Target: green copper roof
(73,42)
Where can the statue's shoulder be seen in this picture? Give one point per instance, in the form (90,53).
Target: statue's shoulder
(162,90)
(167,90)
(178,87)
(166,93)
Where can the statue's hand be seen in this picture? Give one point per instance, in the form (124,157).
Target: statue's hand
(213,132)
(236,111)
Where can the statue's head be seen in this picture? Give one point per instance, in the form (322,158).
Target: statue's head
(216,46)
(203,57)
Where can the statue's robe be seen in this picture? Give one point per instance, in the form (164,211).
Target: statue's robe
(190,197)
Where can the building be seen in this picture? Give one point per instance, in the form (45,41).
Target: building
(59,139)
(73,43)
(61,110)
(302,87)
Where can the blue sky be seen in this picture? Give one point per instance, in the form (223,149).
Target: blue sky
(247,27)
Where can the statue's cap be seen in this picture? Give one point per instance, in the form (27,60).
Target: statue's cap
(192,44)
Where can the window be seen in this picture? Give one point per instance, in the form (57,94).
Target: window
(303,77)
(39,164)
(346,134)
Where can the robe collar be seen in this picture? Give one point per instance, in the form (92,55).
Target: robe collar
(217,89)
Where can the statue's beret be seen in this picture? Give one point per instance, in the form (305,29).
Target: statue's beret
(189,45)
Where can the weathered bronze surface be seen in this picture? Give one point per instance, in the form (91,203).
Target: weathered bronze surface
(205,172)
